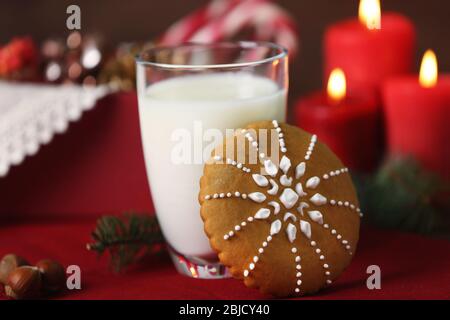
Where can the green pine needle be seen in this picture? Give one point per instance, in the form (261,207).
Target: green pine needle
(402,195)
(126,238)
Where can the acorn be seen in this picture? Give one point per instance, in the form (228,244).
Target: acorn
(8,263)
(53,275)
(23,283)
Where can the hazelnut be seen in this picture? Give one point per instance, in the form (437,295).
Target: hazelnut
(23,283)
(8,264)
(53,275)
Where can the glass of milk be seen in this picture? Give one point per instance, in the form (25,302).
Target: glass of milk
(183,92)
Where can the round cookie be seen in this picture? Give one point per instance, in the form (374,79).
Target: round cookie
(287,227)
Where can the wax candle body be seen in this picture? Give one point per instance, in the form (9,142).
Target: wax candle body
(350,129)
(418,121)
(369,56)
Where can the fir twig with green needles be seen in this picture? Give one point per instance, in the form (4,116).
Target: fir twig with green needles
(126,238)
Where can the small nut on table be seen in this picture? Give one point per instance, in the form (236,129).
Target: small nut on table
(53,275)
(23,283)
(8,264)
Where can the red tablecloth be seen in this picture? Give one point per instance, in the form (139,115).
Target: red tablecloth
(94,168)
(97,168)
(412,267)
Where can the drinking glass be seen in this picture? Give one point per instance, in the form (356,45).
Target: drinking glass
(183,92)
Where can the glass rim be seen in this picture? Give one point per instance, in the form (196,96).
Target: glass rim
(282,52)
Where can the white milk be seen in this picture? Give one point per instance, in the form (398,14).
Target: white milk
(221,100)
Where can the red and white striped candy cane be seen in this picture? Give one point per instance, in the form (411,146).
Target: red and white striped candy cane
(182,30)
(224,19)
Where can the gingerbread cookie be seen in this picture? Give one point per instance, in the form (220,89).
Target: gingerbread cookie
(287,227)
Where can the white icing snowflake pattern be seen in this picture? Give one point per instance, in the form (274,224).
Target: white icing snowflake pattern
(296,197)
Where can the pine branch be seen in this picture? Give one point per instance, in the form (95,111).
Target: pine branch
(403,195)
(126,238)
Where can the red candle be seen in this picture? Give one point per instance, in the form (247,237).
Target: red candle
(350,128)
(370,49)
(417,111)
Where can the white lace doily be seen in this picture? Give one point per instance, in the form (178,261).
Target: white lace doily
(30,115)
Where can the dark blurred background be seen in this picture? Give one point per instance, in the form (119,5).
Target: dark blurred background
(131,20)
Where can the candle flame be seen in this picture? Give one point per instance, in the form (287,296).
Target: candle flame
(337,85)
(428,70)
(370,13)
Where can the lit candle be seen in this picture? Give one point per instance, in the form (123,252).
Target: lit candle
(418,116)
(349,127)
(369,49)
(337,86)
